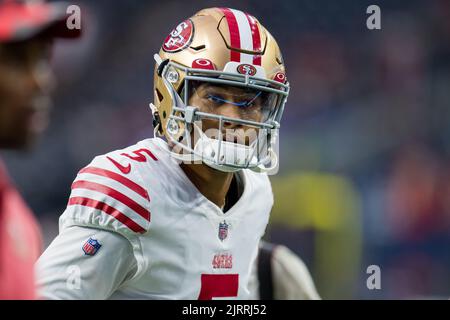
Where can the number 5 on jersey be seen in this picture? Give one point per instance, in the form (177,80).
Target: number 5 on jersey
(219,286)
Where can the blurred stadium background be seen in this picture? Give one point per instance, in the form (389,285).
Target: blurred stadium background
(365,142)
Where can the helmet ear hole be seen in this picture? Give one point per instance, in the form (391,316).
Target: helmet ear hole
(159,95)
(161,67)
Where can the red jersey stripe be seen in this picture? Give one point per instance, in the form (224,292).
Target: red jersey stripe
(108,210)
(117,177)
(81,184)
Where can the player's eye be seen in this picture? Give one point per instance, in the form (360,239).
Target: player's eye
(216,99)
(246,102)
(250,101)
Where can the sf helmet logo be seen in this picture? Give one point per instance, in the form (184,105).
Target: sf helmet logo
(180,37)
(246,69)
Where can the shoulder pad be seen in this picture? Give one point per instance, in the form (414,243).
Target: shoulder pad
(109,193)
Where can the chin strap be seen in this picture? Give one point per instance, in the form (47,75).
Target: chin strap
(273,157)
(274,163)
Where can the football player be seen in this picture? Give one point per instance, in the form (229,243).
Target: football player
(26,32)
(181,217)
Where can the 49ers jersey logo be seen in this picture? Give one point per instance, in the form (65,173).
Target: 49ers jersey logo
(180,37)
(246,69)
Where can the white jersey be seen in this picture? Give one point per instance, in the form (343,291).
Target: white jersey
(137,228)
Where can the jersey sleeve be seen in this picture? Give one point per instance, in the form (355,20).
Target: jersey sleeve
(108,194)
(85,263)
(107,203)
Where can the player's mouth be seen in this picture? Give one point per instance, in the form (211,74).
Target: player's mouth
(240,136)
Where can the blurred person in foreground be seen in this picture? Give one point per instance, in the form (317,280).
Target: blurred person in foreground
(26,32)
(181,218)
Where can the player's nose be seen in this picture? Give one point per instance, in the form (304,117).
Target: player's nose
(233,112)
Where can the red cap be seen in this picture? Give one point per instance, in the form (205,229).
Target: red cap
(22,20)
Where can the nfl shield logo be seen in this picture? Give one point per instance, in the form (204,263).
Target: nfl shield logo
(91,247)
(223,230)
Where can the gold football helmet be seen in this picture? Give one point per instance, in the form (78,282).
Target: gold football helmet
(220,56)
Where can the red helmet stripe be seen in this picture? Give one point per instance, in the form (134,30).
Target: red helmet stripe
(235,38)
(256,38)
(245,34)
